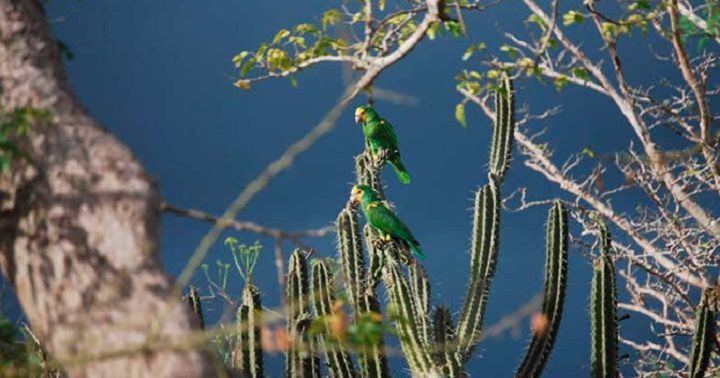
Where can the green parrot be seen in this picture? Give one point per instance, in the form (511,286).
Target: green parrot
(381,138)
(384,220)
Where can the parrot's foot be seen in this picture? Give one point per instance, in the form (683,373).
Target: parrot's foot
(380,158)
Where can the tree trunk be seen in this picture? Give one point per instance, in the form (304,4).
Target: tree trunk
(79,225)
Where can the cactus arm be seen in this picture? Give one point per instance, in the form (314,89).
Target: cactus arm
(420,289)
(603,311)
(543,341)
(351,254)
(249,353)
(501,149)
(482,266)
(443,350)
(704,334)
(337,359)
(486,223)
(405,307)
(300,360)
(359,291)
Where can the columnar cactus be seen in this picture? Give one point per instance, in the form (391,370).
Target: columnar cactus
(360,289)
(543,339)
(337,358)
(248,351)
(483,259)
(408,324)
(504,128)
(703,340)
(301,360)
(431,343)
(603,313)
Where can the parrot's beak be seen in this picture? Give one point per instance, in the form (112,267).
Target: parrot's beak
(359,116)
(356,196)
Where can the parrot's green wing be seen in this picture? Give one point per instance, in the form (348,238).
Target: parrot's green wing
(383,219)
(386,133)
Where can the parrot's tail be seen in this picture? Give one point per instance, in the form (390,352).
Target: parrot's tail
(400,170)
(415,248)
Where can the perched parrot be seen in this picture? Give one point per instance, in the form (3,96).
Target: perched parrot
(384,220)
(381,138)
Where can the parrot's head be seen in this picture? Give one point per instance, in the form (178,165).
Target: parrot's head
(362,193)
(364,114)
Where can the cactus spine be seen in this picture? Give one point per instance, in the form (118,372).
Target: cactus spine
(248,352)
(361,294)
(337,359)
(486,226)
(504,128)
(444,337)
(300,360)
(405,306)
(603,311)
(704,334)
(486,223)
(543,340)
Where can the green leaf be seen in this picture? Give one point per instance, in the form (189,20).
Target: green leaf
(640,4)
(460,114)
(469,52)
(561,82)
(307,28)
(511,51)
(432,31)
(331,17)
(454,28)
(238,59)
(581,73)
(573,17)
(249,65)
(588,152)
(280,36)
(535,19)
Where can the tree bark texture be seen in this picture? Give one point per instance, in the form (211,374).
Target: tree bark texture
(79,225)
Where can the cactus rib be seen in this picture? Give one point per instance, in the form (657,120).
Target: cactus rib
(704,334)
(504,128)
(603,310)
(543,340)
(484,252)
(300,359)
(336,358)
(249,354)
(403,302)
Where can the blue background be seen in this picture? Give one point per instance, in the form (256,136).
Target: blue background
(159,74)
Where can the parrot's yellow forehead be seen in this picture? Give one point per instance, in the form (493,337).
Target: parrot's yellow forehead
(359,111)
(356,191)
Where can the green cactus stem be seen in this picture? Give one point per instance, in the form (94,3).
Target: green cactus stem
(300,360)
(704,336)
(248,352)
(485,239)
(603,312)
(543,340)
(501,149)
(337,359)
(404,306)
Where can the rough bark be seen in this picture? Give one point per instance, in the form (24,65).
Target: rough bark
(79,225)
